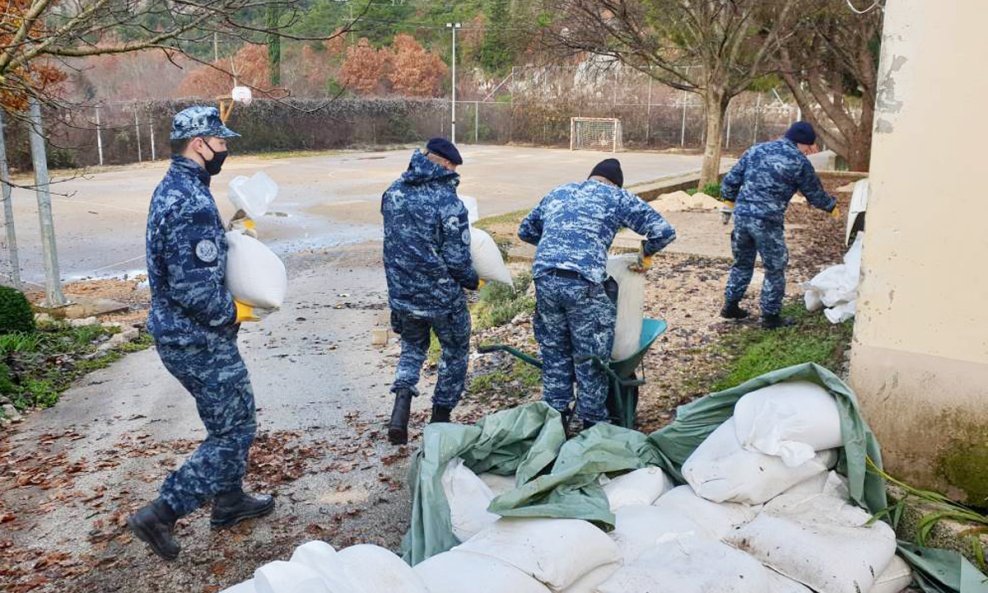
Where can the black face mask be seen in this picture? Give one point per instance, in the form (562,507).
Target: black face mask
(215,164)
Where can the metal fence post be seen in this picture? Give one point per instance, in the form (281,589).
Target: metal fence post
(8,211)
(39,160)
(476,122)
(682,131)
(727,140)
(154,156)
(758,108)
(99,137)
(137,130)
(648,113)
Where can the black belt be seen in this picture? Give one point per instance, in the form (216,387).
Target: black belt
(571,274)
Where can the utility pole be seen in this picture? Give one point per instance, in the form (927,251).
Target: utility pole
(53,284)
(453,27)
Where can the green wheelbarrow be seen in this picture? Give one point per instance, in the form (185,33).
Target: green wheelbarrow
(622,393)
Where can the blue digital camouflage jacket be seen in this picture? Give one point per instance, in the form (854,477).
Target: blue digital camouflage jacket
(574,225)
(186,257)
(765,179)
(426,241)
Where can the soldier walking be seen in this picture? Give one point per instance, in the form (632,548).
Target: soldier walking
(427,264)
(194,321)
(758,190)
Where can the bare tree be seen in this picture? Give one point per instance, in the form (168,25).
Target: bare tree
(714,48)
(36,34)
(831,68)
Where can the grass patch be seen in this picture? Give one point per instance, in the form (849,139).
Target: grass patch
(36,368)
(513,218)
(499,304)
(755,351)
(516,382)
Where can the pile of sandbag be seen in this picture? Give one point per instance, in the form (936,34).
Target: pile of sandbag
(836,289)
(487,260)
(762,511)
(680,201)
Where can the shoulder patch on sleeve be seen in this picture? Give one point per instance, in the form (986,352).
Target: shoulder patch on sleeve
(466,237)
(206,251)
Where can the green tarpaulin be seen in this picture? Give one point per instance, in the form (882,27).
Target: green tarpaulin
(559,478)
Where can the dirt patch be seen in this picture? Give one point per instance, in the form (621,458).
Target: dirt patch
(132,291)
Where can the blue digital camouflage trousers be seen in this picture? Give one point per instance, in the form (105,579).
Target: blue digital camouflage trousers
(217,378)
(574,319)
(751,237)
(453,331)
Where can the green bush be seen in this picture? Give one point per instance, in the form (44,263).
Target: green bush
(15,312)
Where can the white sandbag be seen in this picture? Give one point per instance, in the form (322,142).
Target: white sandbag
(589,582)
(895,578)
(630,305)
(373,569)
(690,565)
(556,552)
(641,486)
(459,572)
(253,194)
(640,528)
(487,260)
(498,484)
(778,583)
(468,497)
(831,484)
(254,274)
(791,420)
(244,587)
(473,212)
(288,577)
(322,558)
(842,312)
(820,541)
(836,287)
(721,470)
(718,519)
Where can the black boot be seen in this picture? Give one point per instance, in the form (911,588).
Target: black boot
(398,426)
(733,311)
(154,525)
(233,507)
(776,321)
(440,414)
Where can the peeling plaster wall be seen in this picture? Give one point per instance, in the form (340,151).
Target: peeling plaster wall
(920,355)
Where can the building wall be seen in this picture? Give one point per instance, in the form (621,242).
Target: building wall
(920,355)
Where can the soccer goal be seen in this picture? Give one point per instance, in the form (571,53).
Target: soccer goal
(595,133)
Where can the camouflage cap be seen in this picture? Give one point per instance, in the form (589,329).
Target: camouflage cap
(198,121)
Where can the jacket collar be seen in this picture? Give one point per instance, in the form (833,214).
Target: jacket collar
(187,166)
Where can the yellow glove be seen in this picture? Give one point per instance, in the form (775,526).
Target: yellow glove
(643,264)
(480,283)
(240,222)
(248,313)
(835,213)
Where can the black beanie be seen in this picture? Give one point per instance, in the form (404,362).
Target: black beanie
(801,133)
(609,169)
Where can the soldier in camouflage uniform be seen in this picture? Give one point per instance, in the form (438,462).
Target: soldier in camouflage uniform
(427,264)
(573,227)
(194,321)
(761,185)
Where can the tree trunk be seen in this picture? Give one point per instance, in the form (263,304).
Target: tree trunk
(715,105)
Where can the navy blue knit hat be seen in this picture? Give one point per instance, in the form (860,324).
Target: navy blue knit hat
(609,169)
(445,149)
(801,132)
